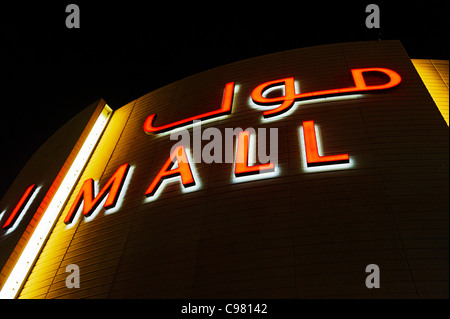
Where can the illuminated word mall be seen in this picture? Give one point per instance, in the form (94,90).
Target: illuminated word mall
(180,166)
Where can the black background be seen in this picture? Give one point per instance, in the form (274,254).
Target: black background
(124,49)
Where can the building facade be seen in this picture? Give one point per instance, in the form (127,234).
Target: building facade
(360,178)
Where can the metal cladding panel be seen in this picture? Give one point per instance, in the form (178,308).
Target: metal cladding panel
(297,235)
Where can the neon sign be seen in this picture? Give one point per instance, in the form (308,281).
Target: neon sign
(224,109)
(287,100)
(179,165)
(184,168)
(19,207)
(241,167)
(290,96)
(86,193)
(311,151)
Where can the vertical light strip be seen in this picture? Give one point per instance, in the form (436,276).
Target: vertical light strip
(33,247)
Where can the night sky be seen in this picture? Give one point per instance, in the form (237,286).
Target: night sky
(124,50)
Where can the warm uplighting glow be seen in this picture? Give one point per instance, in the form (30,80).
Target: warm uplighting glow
(434,74)
(32,249)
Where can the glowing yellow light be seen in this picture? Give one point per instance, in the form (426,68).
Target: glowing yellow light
(434,74)
(26,260)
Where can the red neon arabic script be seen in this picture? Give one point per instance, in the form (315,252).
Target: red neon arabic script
(225,109)
(290,97)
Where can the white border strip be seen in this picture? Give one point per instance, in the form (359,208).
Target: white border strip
(32,249)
